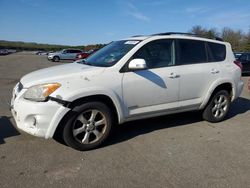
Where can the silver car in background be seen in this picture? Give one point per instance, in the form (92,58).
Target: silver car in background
(65,54)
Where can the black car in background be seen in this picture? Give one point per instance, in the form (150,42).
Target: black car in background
(245,61)
(237,54)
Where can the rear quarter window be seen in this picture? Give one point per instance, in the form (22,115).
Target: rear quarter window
(216,52)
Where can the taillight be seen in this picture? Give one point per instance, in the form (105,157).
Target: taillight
(238,63)
(249,84)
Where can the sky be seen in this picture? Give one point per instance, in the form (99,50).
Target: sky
(83,22)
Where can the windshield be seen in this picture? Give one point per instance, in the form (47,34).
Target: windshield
(110,54)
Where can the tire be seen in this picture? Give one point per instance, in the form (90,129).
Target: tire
(81,131)
(217,107)
(56,59)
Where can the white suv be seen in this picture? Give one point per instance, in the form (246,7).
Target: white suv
(134,78)
(66,54)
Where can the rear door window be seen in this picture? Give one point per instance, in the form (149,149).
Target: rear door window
(191,51)
(216,52)
(77,51)
(73,51)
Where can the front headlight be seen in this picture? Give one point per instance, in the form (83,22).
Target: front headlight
(40,93)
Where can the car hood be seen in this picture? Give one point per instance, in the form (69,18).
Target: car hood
(60,72)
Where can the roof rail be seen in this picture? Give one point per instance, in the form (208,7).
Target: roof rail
(174,33)
(189,34)
(218,38)
(137,36)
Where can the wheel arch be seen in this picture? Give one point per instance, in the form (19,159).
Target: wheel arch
(222,85)
(110,102)
(97,98)
(56,56)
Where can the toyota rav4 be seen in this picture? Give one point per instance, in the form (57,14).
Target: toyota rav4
(135,78)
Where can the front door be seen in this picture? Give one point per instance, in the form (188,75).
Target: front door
(156,89)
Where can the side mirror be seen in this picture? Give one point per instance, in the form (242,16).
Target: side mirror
(137,64)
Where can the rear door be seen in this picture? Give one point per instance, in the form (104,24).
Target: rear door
(197,72)
(72,54)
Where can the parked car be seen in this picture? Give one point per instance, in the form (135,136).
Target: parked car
(245,61)
(129,79)
(4,52)
(40,52)
(66,54)
(44,53)
(237,54)
(12,51)
(84,55)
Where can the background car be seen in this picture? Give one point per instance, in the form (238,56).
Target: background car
(66,54)
(84,55)
(40,52)
(245,61)
(237,54)
(4,52)
(11,51)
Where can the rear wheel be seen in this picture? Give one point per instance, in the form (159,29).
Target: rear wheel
(89,127)
(218,107)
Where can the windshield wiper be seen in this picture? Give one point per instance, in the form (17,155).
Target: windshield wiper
(83,61)
(86,63)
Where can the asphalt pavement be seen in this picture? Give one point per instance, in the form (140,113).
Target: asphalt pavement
(179,150)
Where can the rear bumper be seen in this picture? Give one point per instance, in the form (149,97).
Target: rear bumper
(248,84)
(238,89)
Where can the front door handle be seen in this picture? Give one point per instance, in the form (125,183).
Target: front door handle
(173,75)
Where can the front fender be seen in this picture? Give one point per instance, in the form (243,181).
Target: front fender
(90,91)
(77,94)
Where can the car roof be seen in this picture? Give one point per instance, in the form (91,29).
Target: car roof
(175,35)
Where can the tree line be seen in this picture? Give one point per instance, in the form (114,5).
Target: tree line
(239,40)
(32,46)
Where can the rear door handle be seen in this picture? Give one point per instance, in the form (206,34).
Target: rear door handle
(215,71)
(174,75)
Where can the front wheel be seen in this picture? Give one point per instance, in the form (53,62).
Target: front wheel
(218,107)
(88,127)
(56,59)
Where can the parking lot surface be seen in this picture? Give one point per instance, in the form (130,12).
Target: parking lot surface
(171,151)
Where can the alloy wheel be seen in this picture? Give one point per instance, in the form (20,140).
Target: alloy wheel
(89,126)
(220,106)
